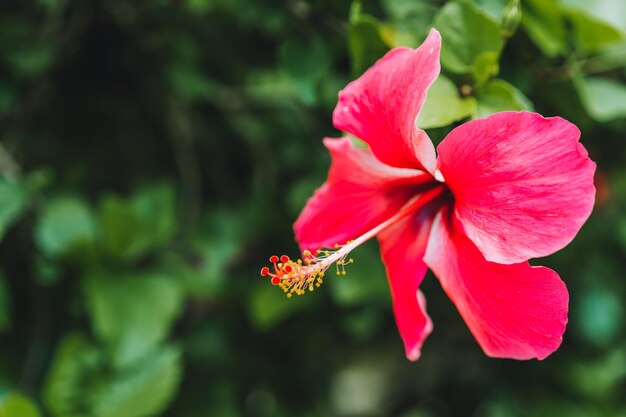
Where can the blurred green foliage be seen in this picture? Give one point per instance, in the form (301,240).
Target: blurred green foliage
(154,154)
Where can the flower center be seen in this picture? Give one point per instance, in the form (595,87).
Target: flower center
(296,277)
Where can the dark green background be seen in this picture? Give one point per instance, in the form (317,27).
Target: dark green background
(154,154)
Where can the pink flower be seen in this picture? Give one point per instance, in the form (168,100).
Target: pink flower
(503,189)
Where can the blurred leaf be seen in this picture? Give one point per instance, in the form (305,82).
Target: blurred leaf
(13,198)
(269,306)
(216,248)
(600,316)
(602,98)
(592,35)
(201,6)
(73,377)
(367,40)
(411,20)
(600,378)
(608,59)
(493,8)
(485,67)
(47,271)
(611,12)
(31,60)
(135,226)
(65,228)
(467,32)
(401,9)
(362,323)
(497,96)
(5,307)
(306,62)
(144,390)
(443,105)
(190,82)
(360,389)
(13,404)
(209,343)
(80,385)
(544,23)
(132,315)
(365,281)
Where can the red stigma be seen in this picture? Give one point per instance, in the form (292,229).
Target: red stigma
(275,280)
(284,259)
(265,271)
(287,269)
(274,258)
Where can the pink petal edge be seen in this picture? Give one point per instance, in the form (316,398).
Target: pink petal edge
(402,248)
(514,311)
(381,106)
(522,183)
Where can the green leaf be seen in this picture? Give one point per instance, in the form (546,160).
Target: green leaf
(13,199)
(30,60)
(600,313)
(13,404)
(365,282)
(485,66)
(208,275)
(410,20)
(144,390)
(269,305)
(132,315)
(467,32)
(601,377)
(80,383)
(602,98)
(590,34)
(493,8)
(611,12)
(609,59)
(73,377)
(306,62)
(65,228)
(135,226)
(544,23)
(367,40)
(443,105)
(402,9)
(190,82)
(497,96)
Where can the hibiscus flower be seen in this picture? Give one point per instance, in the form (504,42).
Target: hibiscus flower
(502,190)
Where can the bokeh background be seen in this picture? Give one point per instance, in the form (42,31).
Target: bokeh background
(154,154)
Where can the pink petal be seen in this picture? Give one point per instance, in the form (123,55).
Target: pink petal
(514,311)
(402,247)
(522,183)
(381,106)
(359,194)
